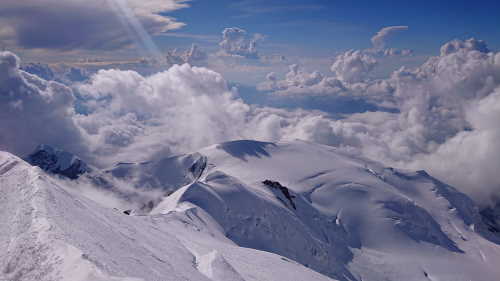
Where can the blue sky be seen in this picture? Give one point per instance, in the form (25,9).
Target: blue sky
(323,26)
(300,28)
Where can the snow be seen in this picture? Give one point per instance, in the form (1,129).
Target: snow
(354,219)
(166,174)
(50,232)
(215,267)
(243,210)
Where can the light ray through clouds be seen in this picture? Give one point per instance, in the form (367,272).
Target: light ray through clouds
(136,30)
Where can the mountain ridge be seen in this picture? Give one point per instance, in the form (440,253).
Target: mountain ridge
(346,217)
(50,232)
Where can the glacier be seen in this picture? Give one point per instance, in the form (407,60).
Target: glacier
(240,210)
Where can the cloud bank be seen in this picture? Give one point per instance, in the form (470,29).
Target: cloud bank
(124,116)
(446,119)
(34,111)
(182,109)
(84,24)
(352,76)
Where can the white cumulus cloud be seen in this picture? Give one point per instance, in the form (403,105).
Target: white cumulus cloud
(353,66)
(34,111)
(237,42)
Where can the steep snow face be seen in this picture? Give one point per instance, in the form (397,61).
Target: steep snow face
(57,161)
(49,232)
(346,217)
(166,174)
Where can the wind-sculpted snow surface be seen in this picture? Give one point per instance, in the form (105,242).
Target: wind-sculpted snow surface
(242,211)
(348,218)
(49,232)
(166,174)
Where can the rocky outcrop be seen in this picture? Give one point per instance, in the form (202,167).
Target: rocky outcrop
(57,161)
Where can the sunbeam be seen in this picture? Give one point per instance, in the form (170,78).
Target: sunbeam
(136,30)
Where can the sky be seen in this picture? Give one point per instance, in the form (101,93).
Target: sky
(295,27)
(411,84)
(329,25)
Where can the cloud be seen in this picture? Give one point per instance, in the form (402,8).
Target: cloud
(352,76)
(379,40)
(236,42)
(387,52)
(347,91)
(192,56)
(446,120)
(74,74)
(299,83)
(470,158)
(129,117)
(353,66)
(132,117)
(66,75)
(461,45)
(34,111)
(41,70)
(85,24)
(445,125)
(446,117)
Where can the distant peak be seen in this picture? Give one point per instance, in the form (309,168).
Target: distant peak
(57,161)
(246,148)
(47,148)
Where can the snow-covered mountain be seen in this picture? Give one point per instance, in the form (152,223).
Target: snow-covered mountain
(166,174)
(50,232)
(57,161)
(244,210)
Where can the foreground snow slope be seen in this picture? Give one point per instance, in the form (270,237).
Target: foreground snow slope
(206,215)
(348,218)
(49,232)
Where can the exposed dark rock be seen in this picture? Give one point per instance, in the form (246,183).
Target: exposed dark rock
(283,189)
(491,218)
(198,167)
(57,162)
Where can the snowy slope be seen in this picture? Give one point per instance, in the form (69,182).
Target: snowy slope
(348,218)
(166,174)
(50,232)
(243,210)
